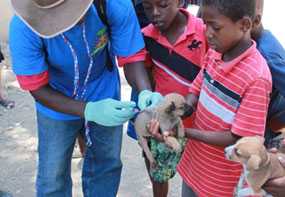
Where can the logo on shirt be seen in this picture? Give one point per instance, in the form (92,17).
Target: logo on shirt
(102,41)
(194,45)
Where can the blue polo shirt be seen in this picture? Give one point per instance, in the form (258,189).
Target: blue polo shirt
(33,55)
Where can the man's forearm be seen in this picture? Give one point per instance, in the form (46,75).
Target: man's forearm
(58,102)
(220,138)
(137,76)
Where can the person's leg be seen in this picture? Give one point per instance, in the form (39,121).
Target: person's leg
(55,147)
(102,162)
(8,104)
(187,191)
(81,144)
(158,189)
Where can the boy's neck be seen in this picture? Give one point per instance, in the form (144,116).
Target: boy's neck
(237,50)
(176,28)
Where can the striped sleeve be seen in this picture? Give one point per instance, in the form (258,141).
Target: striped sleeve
(195,87)
(250,118)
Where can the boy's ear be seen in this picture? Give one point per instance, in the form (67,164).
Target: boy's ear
(257,20)
(246,23)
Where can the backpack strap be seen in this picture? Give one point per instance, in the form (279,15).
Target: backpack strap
(102,12)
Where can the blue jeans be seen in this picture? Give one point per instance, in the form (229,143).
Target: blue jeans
(187,191)
(102,164)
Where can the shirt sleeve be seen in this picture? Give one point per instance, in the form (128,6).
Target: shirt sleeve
(142,55)
(26,49)
(250,118)
(126,37)
(27,55)
(33,82)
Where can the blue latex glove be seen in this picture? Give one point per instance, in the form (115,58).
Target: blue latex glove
(148,99)
(109,112)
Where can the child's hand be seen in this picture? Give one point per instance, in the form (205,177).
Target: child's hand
(276,187)
(153,128)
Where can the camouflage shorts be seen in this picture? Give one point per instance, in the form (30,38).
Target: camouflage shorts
(166,160)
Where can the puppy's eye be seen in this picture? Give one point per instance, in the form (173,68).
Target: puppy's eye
(237,152)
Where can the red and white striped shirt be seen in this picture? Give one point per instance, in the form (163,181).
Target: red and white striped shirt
(233,96)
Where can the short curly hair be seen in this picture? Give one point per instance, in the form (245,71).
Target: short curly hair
(234,9)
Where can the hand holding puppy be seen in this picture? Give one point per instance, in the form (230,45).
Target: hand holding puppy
(168,137)
(276,187)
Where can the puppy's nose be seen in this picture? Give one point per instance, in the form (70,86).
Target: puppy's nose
(188,111)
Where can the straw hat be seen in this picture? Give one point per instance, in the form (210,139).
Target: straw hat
(49,18)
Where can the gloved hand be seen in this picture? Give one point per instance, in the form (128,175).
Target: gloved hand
(148,99)
(109,112)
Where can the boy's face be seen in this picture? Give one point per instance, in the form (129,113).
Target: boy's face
(161,13)
(257,23)
(222,33)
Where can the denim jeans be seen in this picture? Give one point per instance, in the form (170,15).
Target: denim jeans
(102,164)
(187,191)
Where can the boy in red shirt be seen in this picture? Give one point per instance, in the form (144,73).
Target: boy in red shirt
(230,95)
(175,47)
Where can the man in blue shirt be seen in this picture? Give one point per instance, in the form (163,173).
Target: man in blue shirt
(60,51)
(274,53)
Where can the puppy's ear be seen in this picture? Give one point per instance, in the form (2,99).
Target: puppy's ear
(253,162)
(170,108)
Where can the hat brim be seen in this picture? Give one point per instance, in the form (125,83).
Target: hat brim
(51,22)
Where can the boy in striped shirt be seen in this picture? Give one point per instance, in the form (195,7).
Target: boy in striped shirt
(230,96)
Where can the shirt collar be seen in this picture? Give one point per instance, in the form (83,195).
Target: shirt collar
(227,66)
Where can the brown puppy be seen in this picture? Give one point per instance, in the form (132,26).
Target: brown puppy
(168,113)
(259,165)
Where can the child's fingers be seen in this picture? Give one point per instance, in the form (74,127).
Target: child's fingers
(154,130)
(273,150)
(153,126)
(282,160)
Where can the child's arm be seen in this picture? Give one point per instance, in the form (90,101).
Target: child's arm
(217,138)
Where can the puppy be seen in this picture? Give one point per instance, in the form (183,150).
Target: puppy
(168,113)
(258,164)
